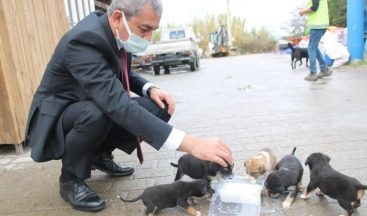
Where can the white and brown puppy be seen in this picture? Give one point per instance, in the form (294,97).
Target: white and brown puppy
(346,190)
(261,163)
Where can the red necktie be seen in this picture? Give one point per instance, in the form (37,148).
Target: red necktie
(127,87)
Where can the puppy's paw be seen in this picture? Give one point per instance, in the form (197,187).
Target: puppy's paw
(319,192)
(264,192)
(250,178)
(192,201)
(303,196)
(208,196)
(193,212)
(286,205)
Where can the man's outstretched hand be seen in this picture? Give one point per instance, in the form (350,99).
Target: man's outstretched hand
(211,149)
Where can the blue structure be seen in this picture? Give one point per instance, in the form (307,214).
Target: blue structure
(355,24)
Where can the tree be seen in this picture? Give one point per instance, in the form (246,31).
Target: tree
(297,24)
(202,29)
(338,12)
(239,35)
(244,42)
(156,35)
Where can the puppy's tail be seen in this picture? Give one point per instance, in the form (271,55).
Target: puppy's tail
(362,187)
(174,165)
(130,201)
(294,150)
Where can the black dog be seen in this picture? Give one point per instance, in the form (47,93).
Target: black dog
(346,190)
(200,169)
(170,195)
(288,172)
(298,54)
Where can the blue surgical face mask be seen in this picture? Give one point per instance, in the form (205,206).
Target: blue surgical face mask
(134,43)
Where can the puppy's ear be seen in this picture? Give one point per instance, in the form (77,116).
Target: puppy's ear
(306,162)
(229,166)
(327,158)
(262,169)
(213,168)
(248,162)
(284,187)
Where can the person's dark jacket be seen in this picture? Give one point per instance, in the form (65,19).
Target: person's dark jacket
(315,5)
(84,66)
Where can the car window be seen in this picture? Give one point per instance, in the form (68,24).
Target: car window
(177,34)
(181,34)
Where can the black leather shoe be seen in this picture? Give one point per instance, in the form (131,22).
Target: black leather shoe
(80,196)
(105,163)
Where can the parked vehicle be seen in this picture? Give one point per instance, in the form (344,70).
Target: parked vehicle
(219,42)
(141,62)
(176,47)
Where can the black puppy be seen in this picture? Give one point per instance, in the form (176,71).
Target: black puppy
(288,172)
(346,190)
(170,195)
(200,169)
(298,54)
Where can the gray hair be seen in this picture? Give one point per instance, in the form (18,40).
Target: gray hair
(134,7)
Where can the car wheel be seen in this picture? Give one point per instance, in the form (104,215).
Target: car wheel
(193,66)
(156,69)
(166,69)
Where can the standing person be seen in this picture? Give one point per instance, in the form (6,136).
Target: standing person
(317,22)
(82,109)
(365,21)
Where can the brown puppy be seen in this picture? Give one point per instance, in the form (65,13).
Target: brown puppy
(170,195)
(262,162)
(346,190)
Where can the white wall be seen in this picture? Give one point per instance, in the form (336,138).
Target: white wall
(76,10)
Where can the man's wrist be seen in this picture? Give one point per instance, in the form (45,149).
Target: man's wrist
(145,88)
(186,145)
(174,140)
(149,90)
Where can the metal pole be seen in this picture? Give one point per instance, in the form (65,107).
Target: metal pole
(229,25)
(355,29)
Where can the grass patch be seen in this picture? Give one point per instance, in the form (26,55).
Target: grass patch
(359,64)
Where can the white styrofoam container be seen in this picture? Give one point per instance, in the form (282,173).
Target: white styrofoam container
(240,192)
(237,196)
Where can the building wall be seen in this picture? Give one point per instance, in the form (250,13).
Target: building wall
(29,32)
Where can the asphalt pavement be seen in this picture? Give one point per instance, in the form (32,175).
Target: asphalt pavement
(251,102)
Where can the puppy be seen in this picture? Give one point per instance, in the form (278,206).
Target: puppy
(297,55)
(200,169)
(288,172)
(346,190)
(262,162)
(170,195)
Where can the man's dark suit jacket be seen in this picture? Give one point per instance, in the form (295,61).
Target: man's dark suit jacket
(85,66)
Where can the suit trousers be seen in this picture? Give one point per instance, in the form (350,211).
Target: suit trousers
(88,131)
